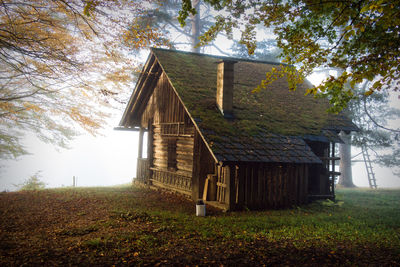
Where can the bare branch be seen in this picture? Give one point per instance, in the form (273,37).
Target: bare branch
(220,50)
(374,121)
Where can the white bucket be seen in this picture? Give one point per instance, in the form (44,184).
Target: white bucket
(201,210)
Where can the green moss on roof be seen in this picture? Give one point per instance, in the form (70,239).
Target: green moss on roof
(275,110)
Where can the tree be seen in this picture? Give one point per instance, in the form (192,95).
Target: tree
(195,29)
(60,65)
(32,183)
(361,37)
(346,174)
(164,18)
(266,51)
(372,114)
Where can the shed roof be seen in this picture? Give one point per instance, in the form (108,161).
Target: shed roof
(268,126)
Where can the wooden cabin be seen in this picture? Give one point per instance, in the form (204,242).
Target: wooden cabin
(210,137)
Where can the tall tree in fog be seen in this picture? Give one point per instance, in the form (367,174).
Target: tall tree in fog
(164,17)
(372,115)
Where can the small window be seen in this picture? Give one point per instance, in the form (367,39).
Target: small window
(172,154)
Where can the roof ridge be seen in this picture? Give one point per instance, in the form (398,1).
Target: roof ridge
(219,57)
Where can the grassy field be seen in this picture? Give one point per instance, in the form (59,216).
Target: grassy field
(134,226)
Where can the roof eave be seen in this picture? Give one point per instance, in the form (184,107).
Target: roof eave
(133,99)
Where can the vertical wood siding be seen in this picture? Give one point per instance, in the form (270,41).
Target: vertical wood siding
(164,105)
(261,185)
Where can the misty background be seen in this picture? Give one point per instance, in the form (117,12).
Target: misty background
(110,159)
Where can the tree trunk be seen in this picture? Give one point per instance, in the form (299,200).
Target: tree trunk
(346,177)
(194,39)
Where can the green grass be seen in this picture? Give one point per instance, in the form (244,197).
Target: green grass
(125,225)
(364,217)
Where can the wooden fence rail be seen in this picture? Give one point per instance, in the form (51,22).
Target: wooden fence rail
(172,180)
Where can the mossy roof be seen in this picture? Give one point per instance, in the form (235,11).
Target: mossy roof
(277,114)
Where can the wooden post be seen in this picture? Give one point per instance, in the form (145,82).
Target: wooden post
(230,187)
(333,171)
(196,167)
(140,151)
(306,181)
(205,190)
(140,154)
(241,186)
(150,155)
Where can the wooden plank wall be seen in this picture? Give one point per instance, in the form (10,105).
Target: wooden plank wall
(165,111)
(261,185)
(184,152)
(164,105)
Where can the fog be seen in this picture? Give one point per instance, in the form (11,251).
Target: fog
(110,159)
(95,161)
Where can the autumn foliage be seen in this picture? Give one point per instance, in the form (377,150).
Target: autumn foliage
(62,66)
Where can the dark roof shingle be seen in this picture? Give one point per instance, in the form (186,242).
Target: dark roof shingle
(268,126)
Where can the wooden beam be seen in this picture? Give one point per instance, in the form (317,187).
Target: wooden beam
(170,187)
(330,158)
(196,167)
(147,90)
(144,78)
(125,116)
(121,128)
(205,191)
(140,150)
(150,140)
(143,91)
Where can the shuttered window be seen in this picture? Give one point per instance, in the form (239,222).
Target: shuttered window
(172,154)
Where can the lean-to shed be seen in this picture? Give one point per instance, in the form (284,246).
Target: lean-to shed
(210,137)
